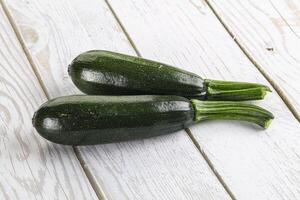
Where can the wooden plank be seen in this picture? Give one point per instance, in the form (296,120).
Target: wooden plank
(269,32)
(255,164)
(168,167)
(30,168)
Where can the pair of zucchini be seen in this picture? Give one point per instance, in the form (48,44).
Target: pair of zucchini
(145,99)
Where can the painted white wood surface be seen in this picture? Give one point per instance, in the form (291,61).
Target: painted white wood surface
(168,167)
(30,167)
(269,31)
(255,164)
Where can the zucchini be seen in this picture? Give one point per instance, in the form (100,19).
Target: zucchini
(88,120)
(100,72)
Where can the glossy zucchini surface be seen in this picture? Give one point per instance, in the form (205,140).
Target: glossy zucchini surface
(87,120)
(100,72)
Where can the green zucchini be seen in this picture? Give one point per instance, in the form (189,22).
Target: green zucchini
(88,120)
(99,72)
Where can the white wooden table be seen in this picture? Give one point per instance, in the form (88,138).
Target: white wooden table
(249,40)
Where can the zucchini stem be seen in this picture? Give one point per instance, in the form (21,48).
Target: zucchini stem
(231,110)
(234,91)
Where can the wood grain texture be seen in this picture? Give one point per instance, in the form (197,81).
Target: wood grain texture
(168,167)
(30,167)
(254,163)
(269,32)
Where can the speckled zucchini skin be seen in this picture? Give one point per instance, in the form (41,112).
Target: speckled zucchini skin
(88,120)
(101,72)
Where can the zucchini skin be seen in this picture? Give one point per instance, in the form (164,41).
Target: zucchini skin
(89,120)
(100,72)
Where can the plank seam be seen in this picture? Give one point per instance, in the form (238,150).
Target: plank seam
(123,28)
(279,91)
(27,54)
(99,192)
(209,163)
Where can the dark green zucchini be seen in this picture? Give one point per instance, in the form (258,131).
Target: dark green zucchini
(101,72)
(87,120)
